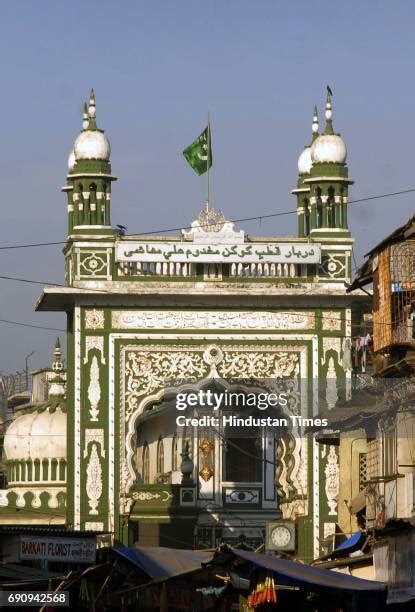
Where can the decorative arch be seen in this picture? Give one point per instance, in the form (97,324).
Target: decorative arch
(196,364)
(160,456)
(174,453)
(146,463)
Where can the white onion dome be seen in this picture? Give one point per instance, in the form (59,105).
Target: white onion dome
(71,160)
(91,143)
(36,435)
(304,161)
(328,148)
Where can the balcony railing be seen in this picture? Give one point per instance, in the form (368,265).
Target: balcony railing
(213,271)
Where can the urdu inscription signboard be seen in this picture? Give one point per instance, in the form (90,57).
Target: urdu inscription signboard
(252,252)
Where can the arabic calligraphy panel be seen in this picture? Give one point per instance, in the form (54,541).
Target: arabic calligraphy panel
(164,319)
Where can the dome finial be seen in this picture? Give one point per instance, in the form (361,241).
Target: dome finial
(315,126)
(329,113)
(92,111)
(57,364)
(329,147)
(57,379)
(91,143)
(85,121)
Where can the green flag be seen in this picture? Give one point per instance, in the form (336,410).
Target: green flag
(199,153)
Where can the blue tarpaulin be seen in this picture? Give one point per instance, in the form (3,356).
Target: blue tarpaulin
(158,562)
(357,541)
(351,543)
(302,573)
(161,563)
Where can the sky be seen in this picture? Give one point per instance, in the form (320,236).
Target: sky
(158,67)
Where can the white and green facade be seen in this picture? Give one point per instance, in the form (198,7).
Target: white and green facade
(211,302)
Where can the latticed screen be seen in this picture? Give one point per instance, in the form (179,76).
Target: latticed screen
(402,266)
(372,471)
(362,470)
(394,295)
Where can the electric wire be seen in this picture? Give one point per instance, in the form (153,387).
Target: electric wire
(101,291)
(22,324)
(237,220)
(110,292)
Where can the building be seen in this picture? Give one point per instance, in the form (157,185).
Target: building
(389,496)
(149,316)
(35,454)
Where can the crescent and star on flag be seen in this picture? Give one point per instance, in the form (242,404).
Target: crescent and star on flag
(199,156)
(199,153)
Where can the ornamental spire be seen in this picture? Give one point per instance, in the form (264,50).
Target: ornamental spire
(329,113)
(92,111)
(57,380)
(315,126)
(85,121)
(57,364)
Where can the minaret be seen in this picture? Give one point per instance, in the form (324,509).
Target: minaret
(57,379)
(328,181)
(89,179)
(302,190)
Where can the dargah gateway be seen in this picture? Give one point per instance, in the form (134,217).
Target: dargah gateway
(152,316)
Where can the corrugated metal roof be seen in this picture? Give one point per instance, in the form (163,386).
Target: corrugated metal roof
(16,571)
(49,530)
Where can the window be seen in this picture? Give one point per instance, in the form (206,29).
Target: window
(243,460)
(319,209)
(306,218)
(389,452)
(204,537)
(212,271)
(92,201)
(331,208)
(174,457)
(160,457)
(146,464)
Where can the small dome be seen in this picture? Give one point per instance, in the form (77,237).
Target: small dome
(304,161)
(16,442)
(36,435)
(71,160)
(92,144)
(328,148)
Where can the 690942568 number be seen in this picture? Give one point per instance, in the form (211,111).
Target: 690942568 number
(14,599)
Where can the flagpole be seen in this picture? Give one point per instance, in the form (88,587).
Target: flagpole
(208,164)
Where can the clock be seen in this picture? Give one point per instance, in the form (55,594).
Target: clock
(280,535)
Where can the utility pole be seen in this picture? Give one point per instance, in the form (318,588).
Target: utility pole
(27,368)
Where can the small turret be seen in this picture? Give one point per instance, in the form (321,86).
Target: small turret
(85,120)
(315,126)
(89,179)
(57,379)
(328,180)
(302,190)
